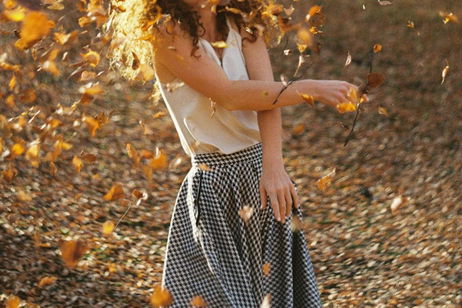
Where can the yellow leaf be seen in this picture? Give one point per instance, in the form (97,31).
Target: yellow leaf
(92,57)
(345,107)
(108,227)
(77,162)
(16,14)
(307,98)
(17,150)
(219,44)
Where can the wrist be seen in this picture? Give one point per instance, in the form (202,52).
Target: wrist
(273,159)
(311,88)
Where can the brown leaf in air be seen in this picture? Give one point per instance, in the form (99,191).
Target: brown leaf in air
(72,251)
(116,192)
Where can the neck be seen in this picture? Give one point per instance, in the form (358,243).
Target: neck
(207,17)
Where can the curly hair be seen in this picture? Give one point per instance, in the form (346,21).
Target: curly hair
(131,22)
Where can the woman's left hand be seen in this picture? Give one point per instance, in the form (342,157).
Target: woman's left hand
(276,183)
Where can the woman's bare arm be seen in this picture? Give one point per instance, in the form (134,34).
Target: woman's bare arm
(259,67)
(208,78)
(274,182)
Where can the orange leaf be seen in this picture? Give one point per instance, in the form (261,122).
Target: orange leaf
(159,161)
(161,297)
(35,26)
(46,281)
(198,301)
(108,227)
(116,192)
(12,302)
(72,251)
(324,182)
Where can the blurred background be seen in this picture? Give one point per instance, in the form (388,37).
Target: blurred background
(91,163)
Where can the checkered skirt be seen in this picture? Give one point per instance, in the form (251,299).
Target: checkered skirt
(223,248)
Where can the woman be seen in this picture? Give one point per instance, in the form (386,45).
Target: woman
(230,242)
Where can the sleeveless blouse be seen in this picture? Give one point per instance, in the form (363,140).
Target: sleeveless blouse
(203,128)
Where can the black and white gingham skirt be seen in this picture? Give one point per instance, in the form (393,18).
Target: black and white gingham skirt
(214,253)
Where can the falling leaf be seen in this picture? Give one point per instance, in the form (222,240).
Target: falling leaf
(92,124)
(72,251)
(91,57)
(324,182)
(159,161)
(382,111)
(77,162)
(46,281)
(108,227)
(395,204)
(449,17)
(161,297)
(246,212)
(345,107)
(198,301)
(266,268)
(377,48)
(307,98)
(444,73)
(204,167)
(296,224)
(116,192)
(348,60)
(35,26)
(132,153)
(315,9)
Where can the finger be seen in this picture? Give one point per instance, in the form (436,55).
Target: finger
(293,190)
(282,205)
(275,205)
(263,197)
(289,201)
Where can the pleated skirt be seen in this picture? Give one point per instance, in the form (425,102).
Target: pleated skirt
(223,250)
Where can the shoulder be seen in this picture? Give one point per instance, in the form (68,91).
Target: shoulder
(168,32)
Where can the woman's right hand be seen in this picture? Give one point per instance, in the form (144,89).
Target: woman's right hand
(332,92)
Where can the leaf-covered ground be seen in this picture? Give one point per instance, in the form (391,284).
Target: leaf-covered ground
(386,233)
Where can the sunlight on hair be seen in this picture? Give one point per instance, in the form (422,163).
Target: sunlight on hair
(129,52)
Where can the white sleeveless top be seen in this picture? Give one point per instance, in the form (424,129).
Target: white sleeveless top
(202,130)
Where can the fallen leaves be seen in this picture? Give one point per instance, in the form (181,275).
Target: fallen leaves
(46,281)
